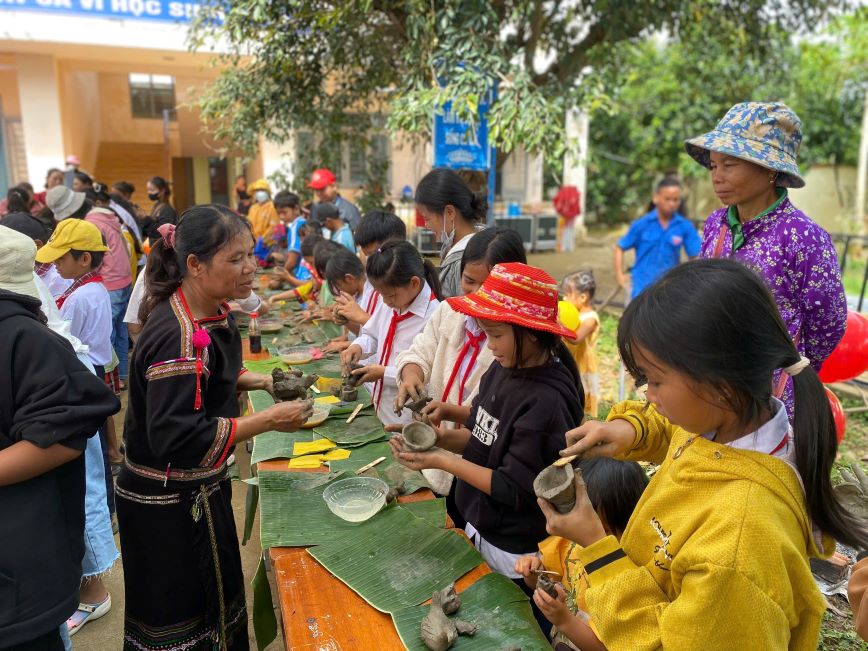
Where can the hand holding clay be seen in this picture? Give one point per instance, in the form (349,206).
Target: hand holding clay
(335,346)
(555,610)
(289,416)
(526,565)
(370,373)
(350,356)
(411,387)
(433,458)
(598,439)
(581,524)
(436,412)
(350,310)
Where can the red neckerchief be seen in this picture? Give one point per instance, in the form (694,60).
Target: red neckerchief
(81,281)
(41,268)
(473,341)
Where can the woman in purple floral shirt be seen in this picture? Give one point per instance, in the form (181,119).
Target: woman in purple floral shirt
(752,157)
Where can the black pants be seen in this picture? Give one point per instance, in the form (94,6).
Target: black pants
(48,642)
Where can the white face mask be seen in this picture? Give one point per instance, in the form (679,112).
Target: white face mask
(261,196)
(447,239)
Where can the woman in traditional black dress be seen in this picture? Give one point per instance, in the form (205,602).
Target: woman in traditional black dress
(182,567)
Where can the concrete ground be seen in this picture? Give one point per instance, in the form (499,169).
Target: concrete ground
(106,634)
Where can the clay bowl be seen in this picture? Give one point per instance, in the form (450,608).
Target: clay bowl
(557,485)
(419,437)
(320,414)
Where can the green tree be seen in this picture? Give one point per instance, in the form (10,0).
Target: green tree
(326,66)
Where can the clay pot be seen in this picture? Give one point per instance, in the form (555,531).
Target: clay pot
(557,485)
(419,437)
(349,393)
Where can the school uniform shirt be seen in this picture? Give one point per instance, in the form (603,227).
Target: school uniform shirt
(115,269)
(658,249)
(89,312)
(344,237)
(54,281)
(48,398)
(715,556)
(368,300)
(372,340)
(452,346)
(518,424)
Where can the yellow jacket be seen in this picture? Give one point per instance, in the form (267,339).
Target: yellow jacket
(263,218)
(716,553)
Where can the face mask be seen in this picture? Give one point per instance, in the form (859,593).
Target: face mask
(153,196)
(447,239)
(261,196)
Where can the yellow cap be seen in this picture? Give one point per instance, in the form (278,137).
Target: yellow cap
(261,184)
(71,234)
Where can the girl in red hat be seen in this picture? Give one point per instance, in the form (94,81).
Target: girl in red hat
(527,399)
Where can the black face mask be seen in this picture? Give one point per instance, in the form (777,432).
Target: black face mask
(153,196)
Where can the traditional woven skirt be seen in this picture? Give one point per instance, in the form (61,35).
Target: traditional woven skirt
(182,567)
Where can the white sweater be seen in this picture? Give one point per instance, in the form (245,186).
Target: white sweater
(435,350)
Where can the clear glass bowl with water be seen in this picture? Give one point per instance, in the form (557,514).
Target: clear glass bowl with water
(356,499)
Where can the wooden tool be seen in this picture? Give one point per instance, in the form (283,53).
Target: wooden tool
(355,413)
(563,461)
(370,465)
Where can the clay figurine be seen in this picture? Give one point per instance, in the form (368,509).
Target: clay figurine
(465,628)
(449,599)
(393,493)
(557,485)
(415,406)
(419,437)
(438,631)
(291,385)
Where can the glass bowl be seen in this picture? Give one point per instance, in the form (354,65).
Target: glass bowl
(294,355)
(356,499)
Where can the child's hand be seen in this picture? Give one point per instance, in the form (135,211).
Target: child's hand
(411,386)
(437,412)
(350,356)
(555,610)
(597,439)
(433,458)
(347,307)
(581,525)
(336,346)
(370,373)
(525,566)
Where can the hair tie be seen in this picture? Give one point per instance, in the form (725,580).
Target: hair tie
(167,231)
(794,369)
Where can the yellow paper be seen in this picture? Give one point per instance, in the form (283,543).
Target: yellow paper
(308,447)
(336,455)
(327,400)
(311,461)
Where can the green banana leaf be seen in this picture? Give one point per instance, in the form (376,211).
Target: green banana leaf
(388,470)
(497,606)
(264,366)
(431,511)
(364,429)
(264,619)
(397,559)
(251,503)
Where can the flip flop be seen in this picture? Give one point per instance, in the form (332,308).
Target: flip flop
(87,613)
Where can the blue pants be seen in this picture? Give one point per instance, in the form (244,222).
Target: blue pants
(100,551)
(120,335)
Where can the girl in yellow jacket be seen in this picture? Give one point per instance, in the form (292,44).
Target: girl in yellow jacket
(716,553)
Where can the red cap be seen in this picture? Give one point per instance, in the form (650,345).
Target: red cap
(254,315)
(321,178)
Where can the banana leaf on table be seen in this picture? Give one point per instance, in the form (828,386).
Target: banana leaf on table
(497,606)
(293,512)
(364,429)
(389,470)
(398,560)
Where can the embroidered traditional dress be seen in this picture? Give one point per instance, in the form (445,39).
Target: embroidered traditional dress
(182,567)
(797,261)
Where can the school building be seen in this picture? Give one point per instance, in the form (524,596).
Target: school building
(112,82)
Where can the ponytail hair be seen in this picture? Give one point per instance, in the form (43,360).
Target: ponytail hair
(737,342)
(443,187)
(201,231)
(17,200)
(396,263)
(494,246)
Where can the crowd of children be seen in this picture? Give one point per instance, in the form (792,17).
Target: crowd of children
(711,553)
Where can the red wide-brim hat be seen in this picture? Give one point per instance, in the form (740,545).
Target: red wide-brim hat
(515,293)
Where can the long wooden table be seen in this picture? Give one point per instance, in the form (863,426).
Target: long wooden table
(319,612)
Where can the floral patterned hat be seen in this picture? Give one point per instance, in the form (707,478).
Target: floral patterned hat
(765,133)
(515,293)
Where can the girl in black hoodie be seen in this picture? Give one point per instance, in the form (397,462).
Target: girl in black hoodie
(527,400)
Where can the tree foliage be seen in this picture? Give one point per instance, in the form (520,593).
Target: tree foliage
(325,66)
(663,92)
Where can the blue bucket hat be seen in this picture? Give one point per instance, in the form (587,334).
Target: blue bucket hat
(765,133)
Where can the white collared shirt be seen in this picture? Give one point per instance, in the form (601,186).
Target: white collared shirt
(89,312)
(774,437)
(373,334)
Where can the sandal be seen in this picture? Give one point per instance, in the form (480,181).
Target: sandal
(87,613)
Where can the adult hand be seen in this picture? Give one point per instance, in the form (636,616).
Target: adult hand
(350,356)
(289,416)
(555,610)
(411,386)
(598,439)
(581,525)
(250,381)
(370,373)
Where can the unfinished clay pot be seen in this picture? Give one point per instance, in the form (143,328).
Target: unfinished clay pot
(449,599)
(419,437)
(292,385)
(353,380)
(557,485)
(349,393)
(438,631)
(544,583)
(394,492)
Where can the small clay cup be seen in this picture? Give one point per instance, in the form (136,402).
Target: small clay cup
(557,485)
(419,437)
(349,393)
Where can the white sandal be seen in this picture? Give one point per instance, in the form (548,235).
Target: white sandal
(87,613)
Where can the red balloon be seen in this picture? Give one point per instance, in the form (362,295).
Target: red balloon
(850,357)
(837,413)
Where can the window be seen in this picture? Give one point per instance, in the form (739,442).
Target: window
(355,163)
(151,94)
